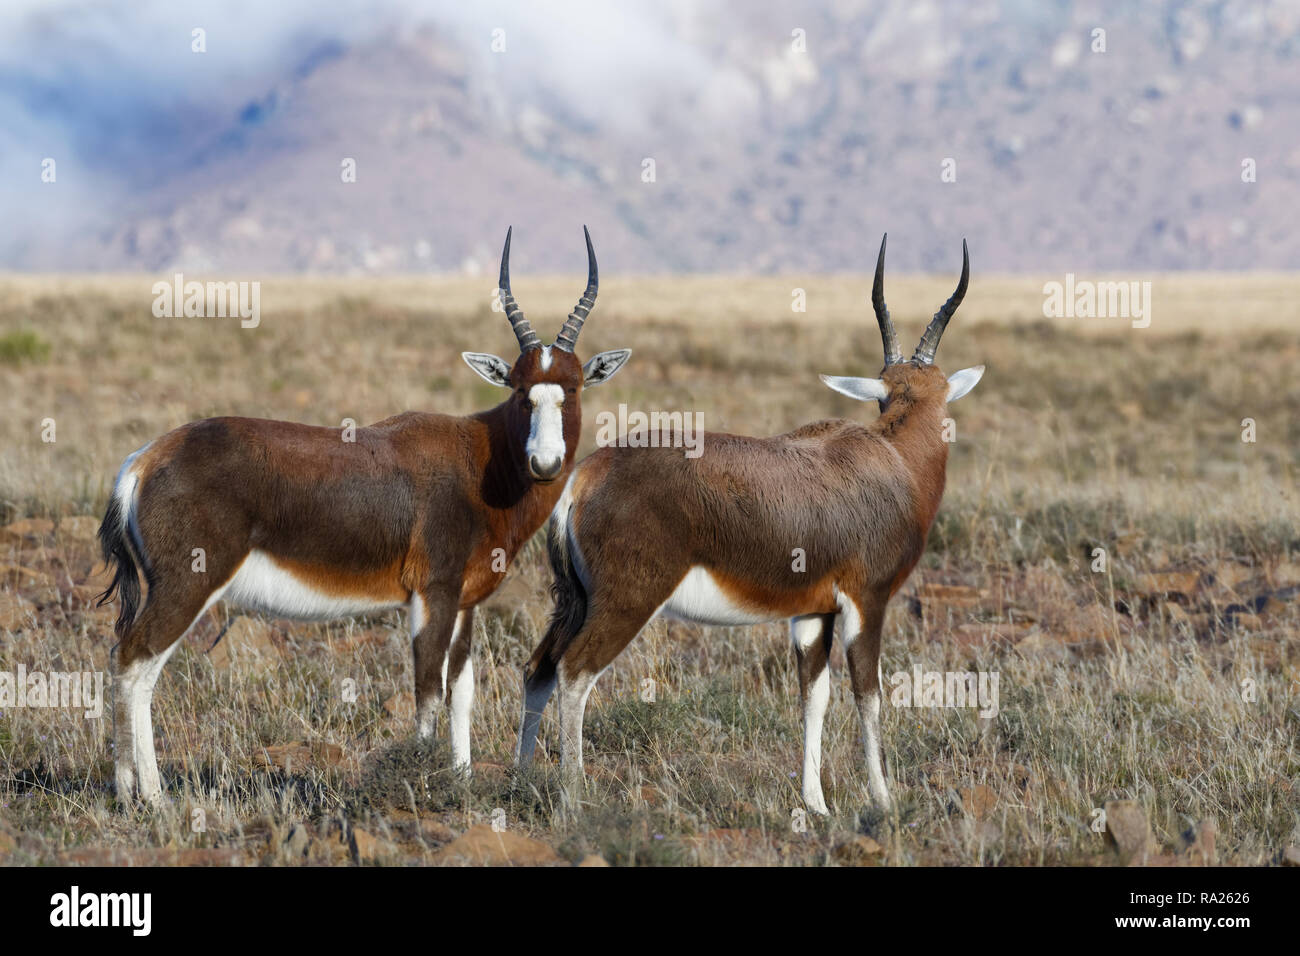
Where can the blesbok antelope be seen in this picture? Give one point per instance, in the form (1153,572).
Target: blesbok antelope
(712,539)
(419,510)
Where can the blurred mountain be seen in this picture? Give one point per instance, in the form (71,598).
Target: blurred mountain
(773,150)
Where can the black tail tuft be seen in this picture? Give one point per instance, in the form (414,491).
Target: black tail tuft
(117,552)
(570,596)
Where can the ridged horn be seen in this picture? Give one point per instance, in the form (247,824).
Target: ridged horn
(934,331)
(568,337)
(887,335)
(523,330)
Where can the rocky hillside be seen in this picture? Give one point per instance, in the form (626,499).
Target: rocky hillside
(781,141)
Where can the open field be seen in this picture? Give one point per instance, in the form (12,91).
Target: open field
(1170,678)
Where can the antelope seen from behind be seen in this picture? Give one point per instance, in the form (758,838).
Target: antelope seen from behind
(421,511)
(641,532)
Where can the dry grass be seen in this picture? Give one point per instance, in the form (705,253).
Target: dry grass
(1113,685)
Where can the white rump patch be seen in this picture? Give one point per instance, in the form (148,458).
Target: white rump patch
(699,599)
(850,620)
(124,492)
(262,585)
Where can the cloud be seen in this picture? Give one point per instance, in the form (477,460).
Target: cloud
(116,95)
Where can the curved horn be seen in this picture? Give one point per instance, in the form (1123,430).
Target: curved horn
(892,355)
(568,337)
(523,330)
(934,331)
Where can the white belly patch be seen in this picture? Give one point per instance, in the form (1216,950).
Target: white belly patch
(262,585)
(699,599)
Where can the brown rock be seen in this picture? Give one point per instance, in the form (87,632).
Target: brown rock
(970,637)
(152,856)
(401,705)
(591,859)
(299,755)
(286,757)
(434,832)
(1270,607)
(1200,849)
(859,851)
(1127,831)
(18,578)
(26,532)
(367,848)
(481,846)
(978,801)
(1168,582)
(1248,622)
(1288,572)
(297,843)
(1233,575)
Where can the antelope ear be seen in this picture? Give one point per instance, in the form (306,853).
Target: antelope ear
(493,369)
(959,383)
(601,368)
(863,389)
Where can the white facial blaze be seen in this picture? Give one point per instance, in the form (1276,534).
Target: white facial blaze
(546,435)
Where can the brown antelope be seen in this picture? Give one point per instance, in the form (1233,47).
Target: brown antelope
(420,510)
(646,531)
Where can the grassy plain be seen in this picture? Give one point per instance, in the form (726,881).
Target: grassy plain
(1169,678)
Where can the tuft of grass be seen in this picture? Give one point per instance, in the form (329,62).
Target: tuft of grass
(23,345)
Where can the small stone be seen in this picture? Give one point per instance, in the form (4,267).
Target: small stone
(297,842)
(1127,830)
(860,851)
(367,848)
(482,846)
(401,705)
(978,801)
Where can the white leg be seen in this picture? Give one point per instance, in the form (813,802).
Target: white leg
(133,711)
(574,692)
(426,713)
(862,650)
(815,687)
(123,729)
(461,702)
(869,708)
